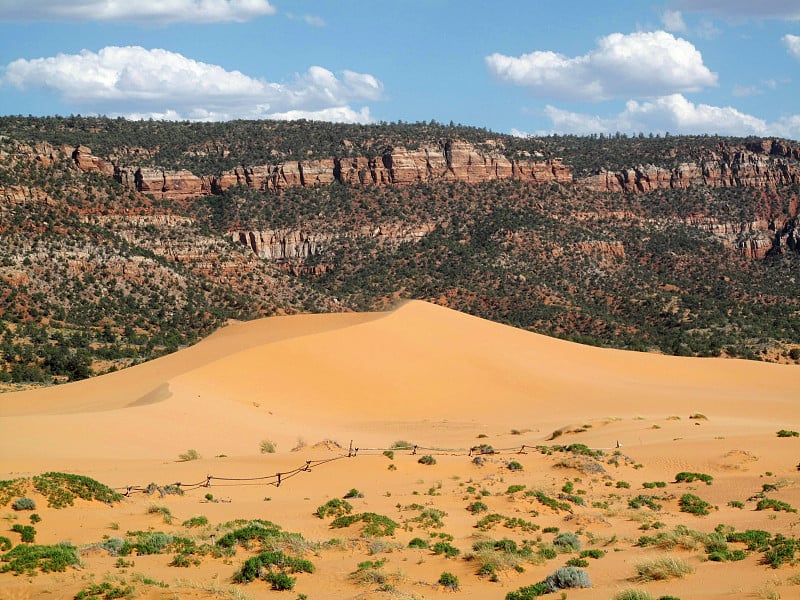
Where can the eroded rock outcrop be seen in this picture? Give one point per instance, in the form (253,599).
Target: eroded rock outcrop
(741,168)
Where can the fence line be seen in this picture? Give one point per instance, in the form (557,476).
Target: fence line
(352,452)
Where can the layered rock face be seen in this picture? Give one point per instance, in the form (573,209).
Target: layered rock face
(448,161)
(743,168)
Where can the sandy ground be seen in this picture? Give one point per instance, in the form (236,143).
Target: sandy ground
(441,380)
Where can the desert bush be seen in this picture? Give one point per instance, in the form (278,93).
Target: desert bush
(632,594)
(785,433)
(687,477)
(568,577)
(593,553)
(567,542)
(354,493)
(5,544)
(654,484)
(420,543)
(35,518)
(27,532)
(28,559)
(514,466)
(489,521)
(782,550)
(448,580)
(513,489)
(190,454)
(477,507)
(529,592)
(104,590)
(577,562)
(660,569)
(200,521)
(376,525)
(736,504)
(445,548)
(165,513)
(334,508)
(644,500)
(61,489)
(689,503)
(401,445)
(623,484)
(276,562)
(426,459)
(280,581)
(146,542)
(23,504)
(267,447)
(776,505)
(389,454)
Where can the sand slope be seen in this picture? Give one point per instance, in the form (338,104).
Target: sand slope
(434,377)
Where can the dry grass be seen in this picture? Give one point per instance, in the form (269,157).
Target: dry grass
(660,569)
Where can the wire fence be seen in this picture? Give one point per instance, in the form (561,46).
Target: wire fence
(280,477)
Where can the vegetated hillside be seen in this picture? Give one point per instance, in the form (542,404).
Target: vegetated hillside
(698,255)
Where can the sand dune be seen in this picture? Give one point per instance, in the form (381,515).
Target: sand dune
(422,373)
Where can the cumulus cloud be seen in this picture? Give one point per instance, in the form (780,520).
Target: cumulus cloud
(675,114)
(761,9)
(136,82)
(641,64)
(152,11)
(673,20)
(792,43)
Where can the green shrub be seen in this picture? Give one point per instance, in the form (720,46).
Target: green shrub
(445,548)
(448,580)
(686,477)
(354,493)
(35,518)
(489,521)
(200,521)
(514,466)
(5,543)
(593,553)
(146,542)
(477,507)
(267,447)
(513,489)
(546,552)
(61,489)
(23,504)
(419,543)
(776,505)
(784,433)
(401,445)
(644,500)
(529,592)
(426,459)
(27,532)
(334,508)
(632,594)
(376,525)
(623,484)
(567,542)
(782,550)
(104,590)
(389,454)
(28,559)
(736,504)
(280,581)
(689,503)
(577,562)
(654,484)
(259,531)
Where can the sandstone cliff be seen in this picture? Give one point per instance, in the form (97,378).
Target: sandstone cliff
(739,168)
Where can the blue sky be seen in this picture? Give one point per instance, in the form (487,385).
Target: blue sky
(525,67)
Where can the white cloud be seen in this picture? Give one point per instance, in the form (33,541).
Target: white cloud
(675,114)
(150,11)
(640,64)
(136,82)
(792,43)
(673,20)
(732,9)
